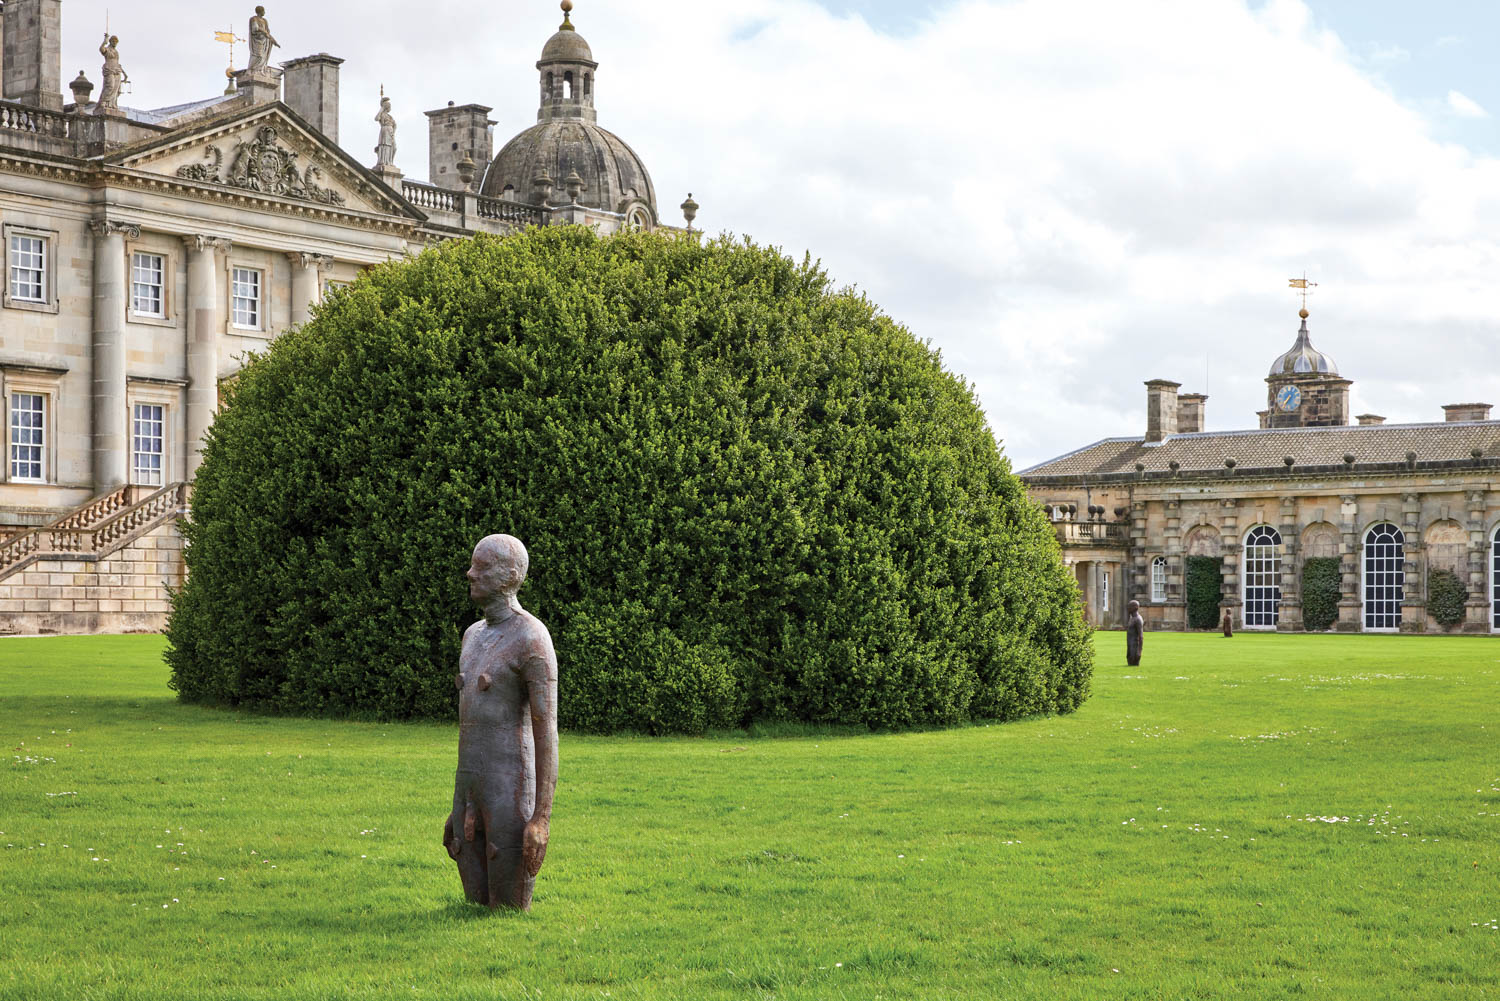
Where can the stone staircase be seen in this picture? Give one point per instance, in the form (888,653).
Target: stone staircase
(95,530)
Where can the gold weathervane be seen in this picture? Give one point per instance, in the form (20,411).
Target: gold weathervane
(228,38)
(1305,288)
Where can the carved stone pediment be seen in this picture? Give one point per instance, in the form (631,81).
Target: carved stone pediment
(266,154)
(262,164)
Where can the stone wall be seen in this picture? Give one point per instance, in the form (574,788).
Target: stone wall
(124,592)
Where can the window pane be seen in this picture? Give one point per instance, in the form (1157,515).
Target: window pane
(27,423)
(246,297)
(28,268)
(147,283)
(148,435)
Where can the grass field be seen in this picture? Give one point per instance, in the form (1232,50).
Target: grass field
(1262,817)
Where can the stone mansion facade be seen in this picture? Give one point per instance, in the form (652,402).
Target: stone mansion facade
(145,252)
(1391,502)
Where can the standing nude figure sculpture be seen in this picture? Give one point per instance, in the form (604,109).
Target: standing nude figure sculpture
(1135,634)
(507,736)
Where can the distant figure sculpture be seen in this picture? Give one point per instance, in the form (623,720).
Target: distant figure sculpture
(385,147)
(114,76)
(507,736)
(261,42)
(1135,634)
(1228,623)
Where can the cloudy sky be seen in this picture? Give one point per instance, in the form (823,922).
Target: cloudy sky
(1068,197)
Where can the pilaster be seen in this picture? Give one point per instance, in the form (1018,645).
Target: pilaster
(1229,531)
(1349,601)
(1414,589)
(1289,614)
(307,283)
(1477,608)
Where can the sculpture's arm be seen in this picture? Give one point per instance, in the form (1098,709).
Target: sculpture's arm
(541,693)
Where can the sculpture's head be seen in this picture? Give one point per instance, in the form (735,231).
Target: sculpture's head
(114,40)
(1133,607)
(498,567)
(260,12)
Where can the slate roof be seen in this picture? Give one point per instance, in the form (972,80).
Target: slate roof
(1204,453)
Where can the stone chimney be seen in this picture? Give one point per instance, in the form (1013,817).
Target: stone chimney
(1466,412)
(32,61)
(454,133)
(1369,420)
(311,86)
(1161,409)
(1190,416)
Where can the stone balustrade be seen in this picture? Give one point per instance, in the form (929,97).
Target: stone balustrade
(94,530)
(37,129)
(1092,533)
(466,210)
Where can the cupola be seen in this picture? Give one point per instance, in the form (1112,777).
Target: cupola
(567,73)
(1303,358)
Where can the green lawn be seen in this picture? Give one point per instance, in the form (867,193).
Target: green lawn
(1262,817)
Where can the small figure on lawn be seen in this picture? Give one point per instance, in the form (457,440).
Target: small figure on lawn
(1135,634)
(1228,623)
(507,736)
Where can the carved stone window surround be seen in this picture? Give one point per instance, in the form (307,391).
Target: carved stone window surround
(167,249)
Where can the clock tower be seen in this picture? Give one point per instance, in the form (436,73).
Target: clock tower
(1304,388)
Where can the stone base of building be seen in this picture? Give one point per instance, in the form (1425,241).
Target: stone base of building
(126,591)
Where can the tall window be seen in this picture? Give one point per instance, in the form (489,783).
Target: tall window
(245,304)
(1159,579)
(28,424)
(1103,590)
(1262,570)
(1385,577)
(1495,580)
(147,439)
(147,285)
(28,268)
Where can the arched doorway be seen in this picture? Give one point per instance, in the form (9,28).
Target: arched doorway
(1262,577)
(1384,577)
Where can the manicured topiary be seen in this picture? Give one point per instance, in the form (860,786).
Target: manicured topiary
(1446,595)
(1203,581)
(1320,592)
(746,497)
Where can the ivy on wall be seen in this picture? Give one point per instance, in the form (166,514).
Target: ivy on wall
(1320,592)
(1203,581)
(1446,595)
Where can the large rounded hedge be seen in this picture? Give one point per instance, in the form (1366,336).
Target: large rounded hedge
(746,497)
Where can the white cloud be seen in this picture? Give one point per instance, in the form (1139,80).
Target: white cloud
(1464,106)
(1068,197)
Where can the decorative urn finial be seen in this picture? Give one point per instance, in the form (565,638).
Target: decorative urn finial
(567,25)
(467,169)
(689,210)
(574,185)
(541,186)
(81,88)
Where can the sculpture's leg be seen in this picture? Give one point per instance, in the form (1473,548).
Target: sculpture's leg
(466,842)
(509,885)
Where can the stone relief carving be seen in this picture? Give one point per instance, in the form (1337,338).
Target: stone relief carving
(262,165)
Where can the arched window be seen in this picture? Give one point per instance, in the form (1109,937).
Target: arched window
(568,86)
(1385,577)
(588,84)
(1262,577)
(1495,580)
(1159,579)
(550,94)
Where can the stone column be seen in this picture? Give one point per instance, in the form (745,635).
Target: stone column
(1230,535)
(1351,602)
(1091,602)
(1477,610)
(110,432)
(1414,603)
(307,284)
(1289,616)
(204,325)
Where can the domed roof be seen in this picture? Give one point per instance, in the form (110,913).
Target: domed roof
(613,175)
(566,46)
(1303,358)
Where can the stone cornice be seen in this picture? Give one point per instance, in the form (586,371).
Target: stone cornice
(1268,477)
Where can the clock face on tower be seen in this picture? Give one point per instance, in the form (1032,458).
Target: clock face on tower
(1288,399)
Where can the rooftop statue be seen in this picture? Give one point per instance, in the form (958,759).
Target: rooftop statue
(114,75)
(261,42)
